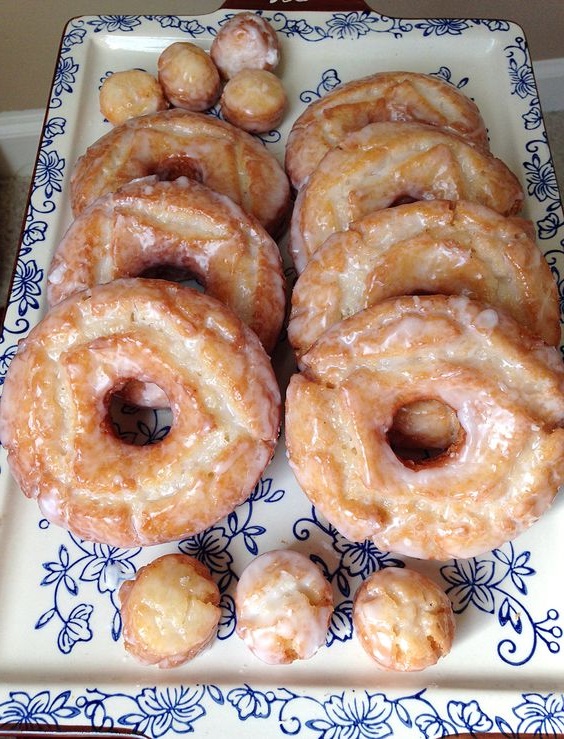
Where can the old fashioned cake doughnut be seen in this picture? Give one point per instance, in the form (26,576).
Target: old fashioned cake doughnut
(184,226)
(385,164)
(188,76)
(254,100)
(434,246)
(61,446)
(245,41)
(179,142)
(283,607)
(498,476)
(130,93)
(384,96)
(403,619)
(169,611)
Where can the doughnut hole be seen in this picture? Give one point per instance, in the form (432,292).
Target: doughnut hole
(170,611)
(189,77)
(173,167)
(254,100)
(245,41)
(403,620)
(129,94)
(424,430)
(174,273)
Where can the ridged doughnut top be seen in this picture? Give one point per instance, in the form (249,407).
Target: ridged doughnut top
(435,246)
(506,388)
(62,450)
(386,163)
(385,96)
(184,226)
(179,142)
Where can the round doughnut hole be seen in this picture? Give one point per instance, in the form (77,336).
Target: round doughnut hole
(174,273)
(424,430)
(175,166)
(139,413)
(403,200)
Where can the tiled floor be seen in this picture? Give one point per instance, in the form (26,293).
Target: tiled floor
(13,196)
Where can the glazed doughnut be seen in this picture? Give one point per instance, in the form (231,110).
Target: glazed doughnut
(178,142)
(63,451)
(128,94)
(385,96)
(183,225)
(170,611)
(434,246)
(403,620)
(387,163)
(254,100)
(245,41)
(283,607)
(188,76)
(505,466)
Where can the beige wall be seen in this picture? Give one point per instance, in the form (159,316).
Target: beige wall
(30,31)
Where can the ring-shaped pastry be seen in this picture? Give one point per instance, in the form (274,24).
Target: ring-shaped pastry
(183,226)
(384,96)
(61,446)
(385,164)
(178,142)
(434,246)
(499,475)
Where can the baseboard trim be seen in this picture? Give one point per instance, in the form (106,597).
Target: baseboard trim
(549,74)
(19,138)
(20,130)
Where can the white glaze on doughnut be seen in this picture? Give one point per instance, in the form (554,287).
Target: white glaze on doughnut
(497,478)
(385,96)
(384,163)
(178,142)
(130,93)
(435,246)
(245,41)
(254,100)
(188,76)
(283,605)
(403,620)
(170,611)
(222,392)
(181,225)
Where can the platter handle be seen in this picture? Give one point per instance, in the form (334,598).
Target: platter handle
(323,5)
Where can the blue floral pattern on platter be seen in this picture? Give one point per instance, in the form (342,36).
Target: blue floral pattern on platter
(79,578)
(183,709)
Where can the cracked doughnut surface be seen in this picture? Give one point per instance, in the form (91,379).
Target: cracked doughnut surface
(494,481)
(170,610)
(434,246)
(283,605)
(176,143)
(385,96)
(384,164)
(61,445)
(403,619)
(181,226)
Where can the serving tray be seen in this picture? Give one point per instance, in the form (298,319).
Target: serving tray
(61,657)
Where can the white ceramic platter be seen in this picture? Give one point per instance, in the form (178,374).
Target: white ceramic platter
(61,656)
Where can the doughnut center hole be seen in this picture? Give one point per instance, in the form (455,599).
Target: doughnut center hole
(173,167)
(403,200)
(423,431)
(174,273)
(139,413)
